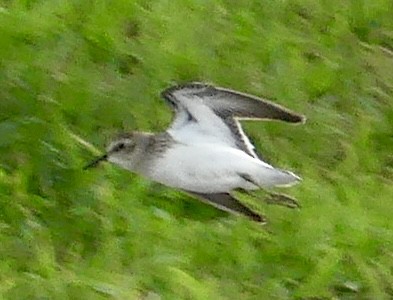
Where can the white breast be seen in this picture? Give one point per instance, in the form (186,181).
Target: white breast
(206,168)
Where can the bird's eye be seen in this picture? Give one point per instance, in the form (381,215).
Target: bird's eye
(120,146)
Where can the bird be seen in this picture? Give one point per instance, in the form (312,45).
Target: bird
(205,152)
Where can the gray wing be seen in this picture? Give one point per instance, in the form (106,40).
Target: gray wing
(227,202)
(217,110)
(226,102)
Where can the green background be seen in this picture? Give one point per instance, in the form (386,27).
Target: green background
(79,71)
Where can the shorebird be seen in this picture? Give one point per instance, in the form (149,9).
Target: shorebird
(205,152)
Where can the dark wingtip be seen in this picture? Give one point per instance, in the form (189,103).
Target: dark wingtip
(259,219)
(300,119)
(294,118)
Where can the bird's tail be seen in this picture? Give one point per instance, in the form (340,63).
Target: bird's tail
(269,177)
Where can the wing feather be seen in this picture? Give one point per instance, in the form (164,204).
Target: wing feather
(226,102)
(213,113)
(227,202)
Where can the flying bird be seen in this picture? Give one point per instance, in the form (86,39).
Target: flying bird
(205,152)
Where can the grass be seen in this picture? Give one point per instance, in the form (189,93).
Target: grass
(92,68)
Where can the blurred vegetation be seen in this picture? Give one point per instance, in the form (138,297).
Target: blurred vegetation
(83,70)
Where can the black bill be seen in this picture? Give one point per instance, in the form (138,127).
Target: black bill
(95,162)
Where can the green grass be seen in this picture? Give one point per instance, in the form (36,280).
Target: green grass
(92,68)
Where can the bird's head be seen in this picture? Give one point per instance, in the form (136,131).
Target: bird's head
(121,151)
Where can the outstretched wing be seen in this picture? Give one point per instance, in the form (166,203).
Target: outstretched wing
(226,102)
(227,202)
(211,113)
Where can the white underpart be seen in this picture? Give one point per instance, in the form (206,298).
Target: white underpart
(214,168)
(206,158)
(208,127)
